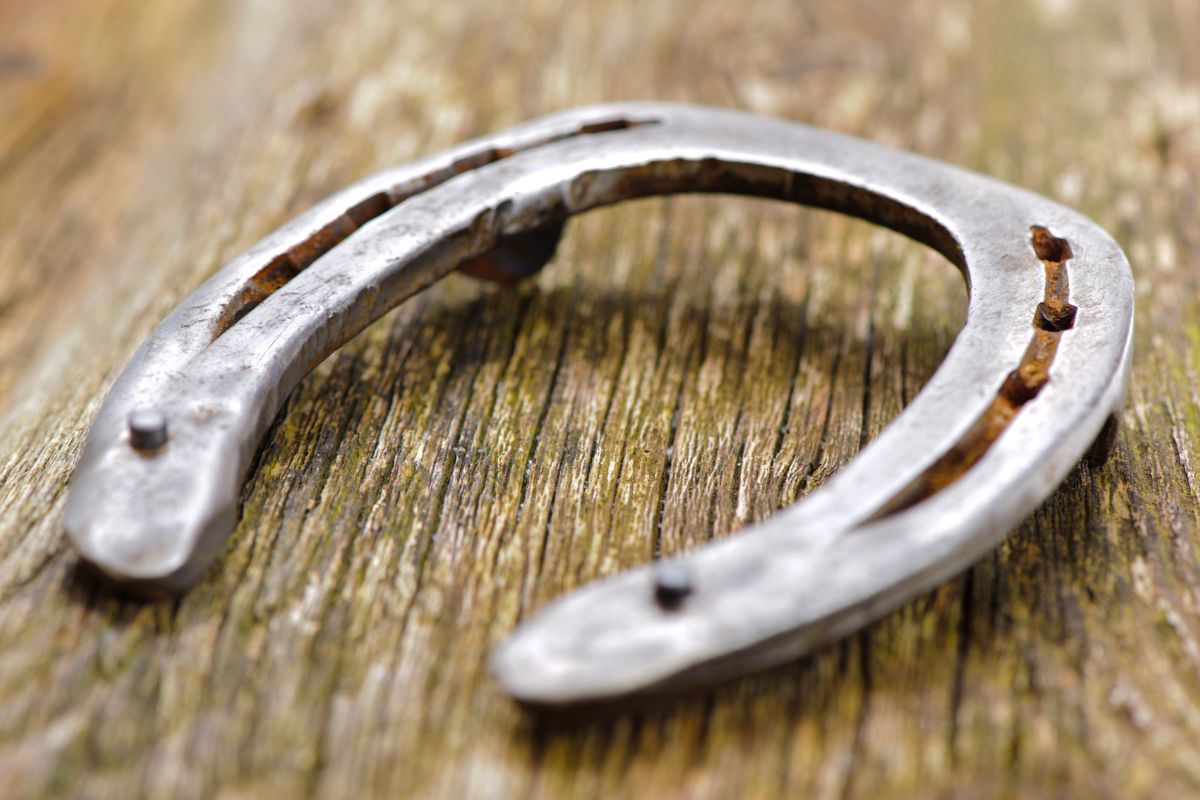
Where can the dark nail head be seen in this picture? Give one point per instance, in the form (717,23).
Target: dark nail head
(1055,319)
(672,583)
(147,429)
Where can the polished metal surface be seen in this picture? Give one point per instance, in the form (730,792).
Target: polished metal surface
(1038,368)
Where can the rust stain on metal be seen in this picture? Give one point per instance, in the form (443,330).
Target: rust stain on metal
(287,266)
(1053,316)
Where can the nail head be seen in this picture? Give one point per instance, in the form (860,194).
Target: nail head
(147,429)
(672,583)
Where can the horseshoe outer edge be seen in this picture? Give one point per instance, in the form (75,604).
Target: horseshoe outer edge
(1039,367)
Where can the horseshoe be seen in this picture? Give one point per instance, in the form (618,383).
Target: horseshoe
(1036,375)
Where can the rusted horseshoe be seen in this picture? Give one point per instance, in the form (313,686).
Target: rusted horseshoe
(1030,382)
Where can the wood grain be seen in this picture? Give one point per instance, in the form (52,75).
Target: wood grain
(684,367)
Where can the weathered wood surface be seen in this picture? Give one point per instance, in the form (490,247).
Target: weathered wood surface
(684,367)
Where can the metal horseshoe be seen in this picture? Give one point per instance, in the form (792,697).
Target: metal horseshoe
(1037,371)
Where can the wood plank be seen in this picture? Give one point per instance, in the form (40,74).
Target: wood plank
(684,367)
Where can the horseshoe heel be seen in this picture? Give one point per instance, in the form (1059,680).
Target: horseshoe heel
(1037,370)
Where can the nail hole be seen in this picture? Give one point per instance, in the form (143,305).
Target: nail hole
(1049,247)
(1055,319)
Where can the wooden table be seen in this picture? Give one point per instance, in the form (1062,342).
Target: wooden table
(684,367)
